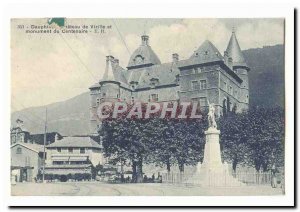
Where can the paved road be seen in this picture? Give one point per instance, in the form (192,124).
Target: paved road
(102,189)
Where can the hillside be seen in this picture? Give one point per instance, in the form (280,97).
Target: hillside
(71,117)
(266,78)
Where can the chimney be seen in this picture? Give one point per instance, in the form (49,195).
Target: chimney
(108,74)
(19,123)
(109,59)
(145,40)
(56,137)
(175,57)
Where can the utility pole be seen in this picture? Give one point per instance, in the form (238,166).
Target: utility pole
(44,153)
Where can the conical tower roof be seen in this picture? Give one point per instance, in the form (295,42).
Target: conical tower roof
(234,51)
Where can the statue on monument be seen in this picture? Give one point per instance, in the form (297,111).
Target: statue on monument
(211,116)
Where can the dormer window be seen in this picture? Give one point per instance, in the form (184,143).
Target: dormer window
(139,60)
(154,82)
(133,84)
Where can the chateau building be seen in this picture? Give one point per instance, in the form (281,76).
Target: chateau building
(206,76)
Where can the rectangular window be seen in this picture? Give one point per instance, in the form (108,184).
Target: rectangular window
(70,150)
(230,90)
(82,150)
(195,85)
(202,84)
(58,149)
(19,150)
(195,100)
(154,97)
(202,101)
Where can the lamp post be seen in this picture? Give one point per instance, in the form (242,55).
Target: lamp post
(44,152)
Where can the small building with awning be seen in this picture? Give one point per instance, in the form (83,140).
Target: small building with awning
(73,155)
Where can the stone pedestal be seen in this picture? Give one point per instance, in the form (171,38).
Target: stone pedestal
(212,152)
(212,172)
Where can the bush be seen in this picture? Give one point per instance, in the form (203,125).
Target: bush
(79,177)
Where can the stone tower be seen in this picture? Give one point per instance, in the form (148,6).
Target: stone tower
(107,89)
(235,58)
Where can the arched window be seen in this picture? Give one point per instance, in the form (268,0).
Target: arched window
(139,60)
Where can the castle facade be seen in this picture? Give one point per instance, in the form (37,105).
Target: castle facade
(207,76)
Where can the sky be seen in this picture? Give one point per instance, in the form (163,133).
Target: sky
(48,68)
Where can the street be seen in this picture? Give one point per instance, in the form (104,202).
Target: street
(148,189)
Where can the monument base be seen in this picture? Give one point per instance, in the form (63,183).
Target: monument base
(213,172)
(214,177)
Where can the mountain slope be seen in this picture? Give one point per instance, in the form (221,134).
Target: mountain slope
(266,78)
(71,117)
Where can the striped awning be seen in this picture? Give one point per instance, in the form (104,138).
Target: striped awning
(70,158)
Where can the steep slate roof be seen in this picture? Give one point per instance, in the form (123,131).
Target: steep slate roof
(20,127)
(39,138)
(165,73)
(34,147)
(75,142)
(234,51)
(151,67)
(145,51)
(120,74)
(113,72)
(206,53)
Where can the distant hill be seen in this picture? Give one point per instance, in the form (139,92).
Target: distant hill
(71,117)
(266,78)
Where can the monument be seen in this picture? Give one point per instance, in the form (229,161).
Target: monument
(212,172)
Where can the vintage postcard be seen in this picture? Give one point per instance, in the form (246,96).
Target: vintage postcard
(147,107)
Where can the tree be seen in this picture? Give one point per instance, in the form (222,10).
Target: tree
(128,141)
(254,138)
(233,142)
(266,137)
